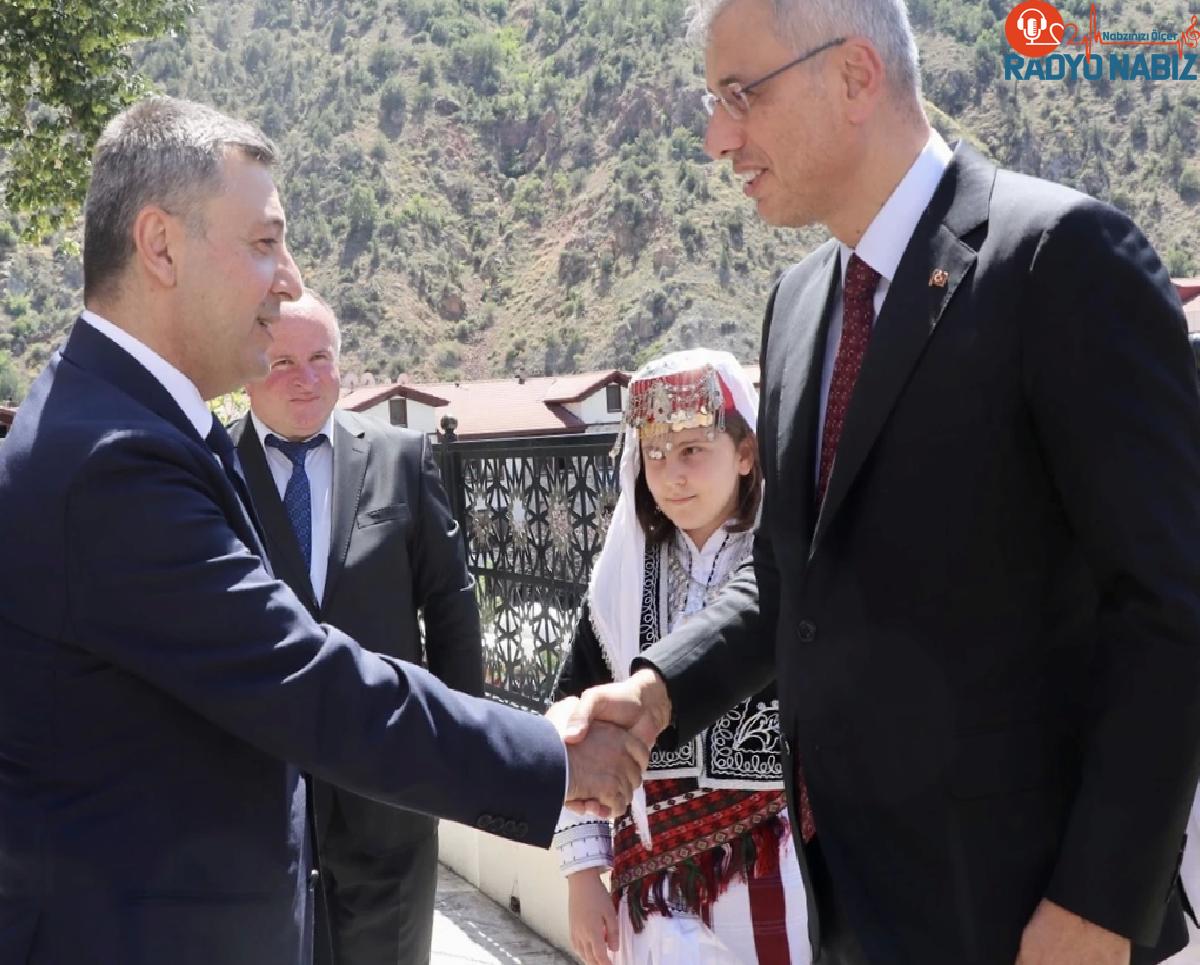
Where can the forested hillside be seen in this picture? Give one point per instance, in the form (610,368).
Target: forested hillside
(483,187)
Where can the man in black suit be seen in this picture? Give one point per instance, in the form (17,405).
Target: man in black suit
(161,693)
(358,525)
(977,577)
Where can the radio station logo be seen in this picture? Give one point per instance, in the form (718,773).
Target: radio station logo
(1034,28)
(1046,47)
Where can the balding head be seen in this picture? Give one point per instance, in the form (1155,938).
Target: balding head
(302,384)
(312,306)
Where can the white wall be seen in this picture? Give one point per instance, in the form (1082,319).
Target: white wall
(502,869)
(422,417)
(377,412)
(593,410)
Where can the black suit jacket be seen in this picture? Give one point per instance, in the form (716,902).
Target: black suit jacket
(988,640)
(396,550)
(160,692)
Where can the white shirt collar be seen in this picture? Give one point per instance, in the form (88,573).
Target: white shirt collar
(264,430)
(711,546)
(178,385)
(888,234)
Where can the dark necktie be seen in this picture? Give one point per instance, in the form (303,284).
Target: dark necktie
(297,498)
(219,442)
(858,318)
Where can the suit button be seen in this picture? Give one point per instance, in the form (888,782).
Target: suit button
(484,822)
(806,631)
(522,829)
(510,829)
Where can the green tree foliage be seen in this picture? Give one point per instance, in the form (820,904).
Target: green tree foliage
(1180,262)
(337,34)
(12,382)
(478,59)
(1189,183)
(392,103)
(362,210)
(545,161)
(384,61)
(65,70)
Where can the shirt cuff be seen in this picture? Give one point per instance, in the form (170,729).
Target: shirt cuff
(582,843)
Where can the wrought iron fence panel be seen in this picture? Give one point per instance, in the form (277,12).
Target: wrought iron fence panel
(534,513)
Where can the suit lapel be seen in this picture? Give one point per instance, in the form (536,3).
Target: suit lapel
(282,546)
(91,350)
(94,351)
(804,328)
(910,316)
(350,452)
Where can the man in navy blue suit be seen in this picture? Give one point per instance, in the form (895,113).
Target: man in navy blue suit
(162,695)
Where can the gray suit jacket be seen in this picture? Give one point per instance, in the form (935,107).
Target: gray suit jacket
(396,550)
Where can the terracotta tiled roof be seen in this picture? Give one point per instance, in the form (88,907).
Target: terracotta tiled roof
(576,388)
(369,396)
(498,407)
(1188,288)
(366,397)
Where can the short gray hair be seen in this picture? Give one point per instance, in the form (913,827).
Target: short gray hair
(883,22)
(162,151)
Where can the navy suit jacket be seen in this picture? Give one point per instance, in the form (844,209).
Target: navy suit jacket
(160,693)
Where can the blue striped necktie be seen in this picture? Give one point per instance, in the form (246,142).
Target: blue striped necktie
(297,497)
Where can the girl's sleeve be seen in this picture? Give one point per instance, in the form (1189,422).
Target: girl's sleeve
(582,842)
(583,665)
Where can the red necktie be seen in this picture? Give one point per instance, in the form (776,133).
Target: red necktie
(858,317)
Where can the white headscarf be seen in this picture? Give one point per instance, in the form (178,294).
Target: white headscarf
(615,588)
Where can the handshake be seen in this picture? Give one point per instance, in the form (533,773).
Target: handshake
(608,733)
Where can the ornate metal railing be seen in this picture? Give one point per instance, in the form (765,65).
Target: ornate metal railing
(534,513)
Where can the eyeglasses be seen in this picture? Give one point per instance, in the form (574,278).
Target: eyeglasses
(733,96)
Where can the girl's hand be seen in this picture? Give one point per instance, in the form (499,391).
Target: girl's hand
(593,920)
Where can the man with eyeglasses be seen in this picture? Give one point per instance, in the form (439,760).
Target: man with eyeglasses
(977,576)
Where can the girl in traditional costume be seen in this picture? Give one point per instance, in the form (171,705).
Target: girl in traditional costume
(703,866)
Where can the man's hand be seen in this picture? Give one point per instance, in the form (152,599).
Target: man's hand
(605,761)
(640,704)
(1055,936)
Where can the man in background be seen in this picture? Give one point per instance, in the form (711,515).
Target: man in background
(358,525)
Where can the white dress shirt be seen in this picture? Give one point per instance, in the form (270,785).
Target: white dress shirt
(882,246)
(707,568)
(318,464)
(178,385)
